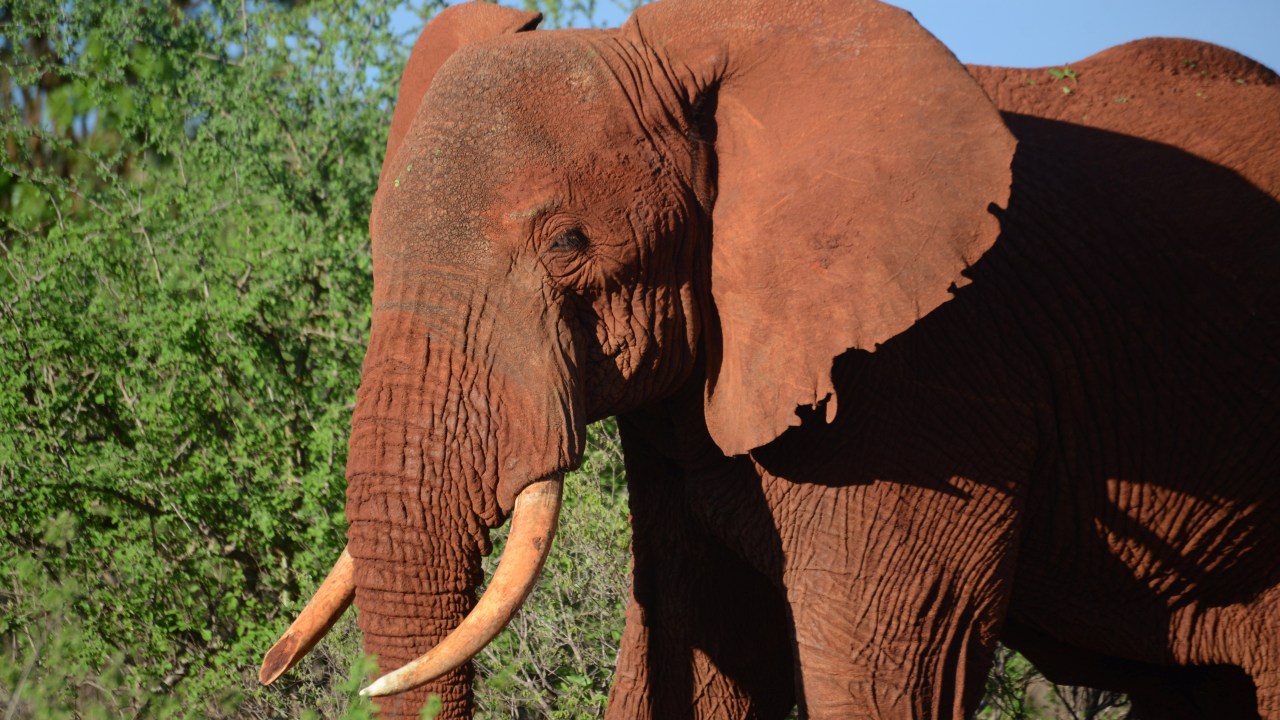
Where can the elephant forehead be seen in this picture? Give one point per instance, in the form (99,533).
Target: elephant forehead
(536,97)
(496,114)
(523,73)
(428,207)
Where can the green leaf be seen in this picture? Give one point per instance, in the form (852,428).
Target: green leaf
(431,708)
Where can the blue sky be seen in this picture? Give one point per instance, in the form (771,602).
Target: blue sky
(1036,33)
(1033,33)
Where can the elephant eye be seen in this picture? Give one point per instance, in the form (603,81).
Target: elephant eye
(569,241)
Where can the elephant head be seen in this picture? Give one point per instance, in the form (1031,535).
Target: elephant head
(571,223)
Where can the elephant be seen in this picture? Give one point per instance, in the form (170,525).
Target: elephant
(907,358)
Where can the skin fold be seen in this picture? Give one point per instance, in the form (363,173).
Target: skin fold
(907,358)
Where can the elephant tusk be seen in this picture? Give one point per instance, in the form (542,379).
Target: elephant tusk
(533,525)
(326,606)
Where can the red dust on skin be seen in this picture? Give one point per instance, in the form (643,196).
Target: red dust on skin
(1147,88)
(722,219)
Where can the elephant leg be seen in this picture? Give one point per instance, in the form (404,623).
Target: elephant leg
(1222,692)
(900,619)
(1235,637)
(1257,650)
(1155,691)
(707,636)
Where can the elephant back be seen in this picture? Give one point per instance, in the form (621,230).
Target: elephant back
(1203,98)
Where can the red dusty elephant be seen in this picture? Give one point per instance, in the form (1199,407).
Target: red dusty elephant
(903,363)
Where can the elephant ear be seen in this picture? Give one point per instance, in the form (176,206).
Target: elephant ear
(856,162)
(450,30)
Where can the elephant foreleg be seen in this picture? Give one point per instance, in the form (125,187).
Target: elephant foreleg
(900,620)
(706,635)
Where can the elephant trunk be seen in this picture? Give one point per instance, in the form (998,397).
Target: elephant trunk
(533,525)
(402,617)
(417,511)
(416,564)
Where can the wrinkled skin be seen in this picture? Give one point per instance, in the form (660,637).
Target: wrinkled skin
(888,391)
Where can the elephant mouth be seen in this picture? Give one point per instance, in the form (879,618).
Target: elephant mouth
(533,526)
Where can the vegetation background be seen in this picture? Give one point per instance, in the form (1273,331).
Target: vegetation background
(184,304)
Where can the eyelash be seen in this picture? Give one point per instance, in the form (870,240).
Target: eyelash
(570,241)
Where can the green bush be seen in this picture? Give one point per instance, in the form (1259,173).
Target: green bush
(183,313)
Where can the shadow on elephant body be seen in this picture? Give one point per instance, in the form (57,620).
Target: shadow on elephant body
(1079,277)
(1108,352)
(1155,332)
(706,628)
(1155,691)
